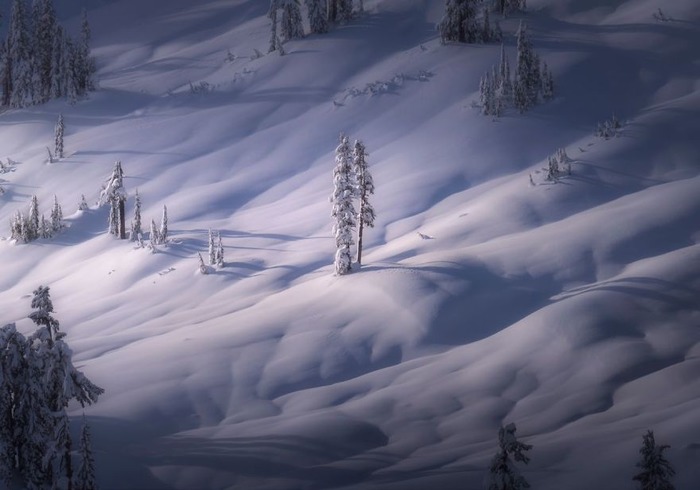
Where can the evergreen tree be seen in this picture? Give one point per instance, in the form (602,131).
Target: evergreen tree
(343,208)
(44,230)
(61,383)
(136,230)
(114,193)
(202,266)
(58,63)
(272,14)
(291,25)
(5,74)
(504,76)
(656,471)
(19,57)
(343,10)
(547,83)
(318,16)
(85,477)
(486,31)
(56,216)
(83,205)
(13,366)
(32,225)
(58,144)
(84,63)
(365,188)
(212,248)
(459,23)
(279,47)
(503,475)
(17,227)
(44,32)
(528,79)
(163,232)
(70,71)
(153,236)
(219,252)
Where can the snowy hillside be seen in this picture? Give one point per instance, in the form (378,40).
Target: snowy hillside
(571,308)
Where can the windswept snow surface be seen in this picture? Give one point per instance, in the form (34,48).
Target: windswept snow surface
(570,308)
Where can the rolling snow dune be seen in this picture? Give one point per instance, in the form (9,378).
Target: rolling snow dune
(570,308)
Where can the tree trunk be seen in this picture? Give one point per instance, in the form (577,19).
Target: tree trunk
(359,238)
(122,220)
(69,463)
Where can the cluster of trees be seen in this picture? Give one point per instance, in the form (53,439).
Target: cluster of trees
(33,226)
(351,180)
(38,381)
(468,21)
(114,193)
(609,128)
(655,470)
(532,81)
(39,61)
(322,14)
(556,164)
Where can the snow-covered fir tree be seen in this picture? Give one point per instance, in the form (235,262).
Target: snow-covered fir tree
(44,229)
(212,247)
(503,475)
(136,227)
(19,57)
(85,478)
(291,24)
(552,168)
(56,217)
(203,269)
(343,209)
(83,205)
(61,383)
(272,14)
(506,7)
(339,11)
(13,366)
(459,24)
(487,94)
(114,194)
(163,231)
(278,46)
(528,82)
(365,188)
(84,63)
(58,63)
(17,231)
(32,225)
(219,251)
(656,471)
(318,16)
(44,31)
(58,140)
(505,82)
(153,238)
(547,83)
(344,11)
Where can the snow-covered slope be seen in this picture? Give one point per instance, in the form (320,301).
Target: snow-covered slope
(569,308)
